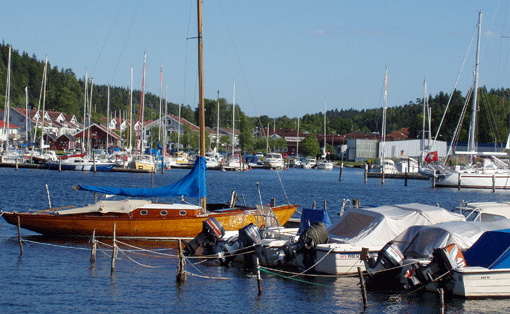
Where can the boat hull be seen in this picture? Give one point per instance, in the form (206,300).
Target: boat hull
(475,180)
(183,223)
(480,282)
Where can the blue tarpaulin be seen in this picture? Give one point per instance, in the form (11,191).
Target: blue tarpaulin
(491,250)
(310,216)
(192,185)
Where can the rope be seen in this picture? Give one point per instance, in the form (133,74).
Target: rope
(55,245)
(138,263)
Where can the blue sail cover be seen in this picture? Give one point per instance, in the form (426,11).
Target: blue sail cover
(491,250)
(310,216)
(192,185)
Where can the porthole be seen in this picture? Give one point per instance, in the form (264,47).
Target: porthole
(182,213)
(143,212)
(163,213)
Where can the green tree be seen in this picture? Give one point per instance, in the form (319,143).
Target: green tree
(310,146)
(245,137)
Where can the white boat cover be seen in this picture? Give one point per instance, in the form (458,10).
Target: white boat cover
(122,206)
(376,226)
(420,241)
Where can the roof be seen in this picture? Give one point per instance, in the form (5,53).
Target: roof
(11,126)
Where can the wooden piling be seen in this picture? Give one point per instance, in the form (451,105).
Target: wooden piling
(16,164)
(363,289)
(244,201)
(19,236)
(325,205)
(493,183)
(341,170)
(440,292)
(313,205)
(94,248)
(181,273)
(60,164)
(366,173)
(458,184)
(259,279)
(273,202)
(405,178)
(382,177)
(434,178)
(114,250)
(48,195)
(94,160)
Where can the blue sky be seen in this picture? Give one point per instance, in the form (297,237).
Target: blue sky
(283,55)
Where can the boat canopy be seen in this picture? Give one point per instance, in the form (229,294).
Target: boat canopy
(192,185)
(420,241)
(373,226)
(310,216)
(492,250)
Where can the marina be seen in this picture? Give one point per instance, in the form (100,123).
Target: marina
(149,285)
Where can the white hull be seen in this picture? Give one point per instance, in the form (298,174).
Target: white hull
(480,282)
(325,165)
(338,261)
(475,180)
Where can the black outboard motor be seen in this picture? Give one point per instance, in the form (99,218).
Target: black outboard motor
(316,233)
(443,261)
(384,271)
(212,231)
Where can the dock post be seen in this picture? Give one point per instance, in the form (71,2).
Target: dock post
(244,201)
(341,170)
(325,205)
(405,178)
(94,248)
(313,205)
(16,163)
(181,274)
(48,195)
(493,183)
(94,160)
(273,202)
(363,289)
(434,178)
(458,184)
(19,236)
(440,291)
(382,177)
(114,251)
(259,279)
(366,173)
(60,164)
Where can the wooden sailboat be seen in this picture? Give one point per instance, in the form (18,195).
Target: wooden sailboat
(144,218)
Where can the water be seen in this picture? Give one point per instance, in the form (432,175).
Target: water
(55,275)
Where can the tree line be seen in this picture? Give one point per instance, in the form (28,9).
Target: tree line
(65,93)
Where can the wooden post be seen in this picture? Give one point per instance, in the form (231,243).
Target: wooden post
(341,170)
(94,159)
(458,186)
(313,205)
(60,164)
(325,205)
(19,236)
(440,291)
(114,251)
(259,279)
(48,195)
(405,178)
(434,178)
(181,274)
(493,183)
(16,163)
(244,201)
(94,248)
(366,173)
(382,177)
(162,165)
(363,289)
(273,202)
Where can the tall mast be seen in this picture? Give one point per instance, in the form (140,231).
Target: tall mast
(218,122)
(89,144)
(7,102)
(34,137)
(233,118)
(85,95)
(44,100)
(383,133)
(472,125)
(324,152)
(297,142)
(131,112)
(165,120)
(160,102)
(26,113)
(140,112)
(201,87)
(108,119)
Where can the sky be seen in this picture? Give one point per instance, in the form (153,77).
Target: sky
(286,57)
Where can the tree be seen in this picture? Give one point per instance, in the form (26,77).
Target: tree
(245,137)
(310,146)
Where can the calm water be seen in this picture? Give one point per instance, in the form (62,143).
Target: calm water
(55,275)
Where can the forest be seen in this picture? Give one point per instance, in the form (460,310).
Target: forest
(65,93)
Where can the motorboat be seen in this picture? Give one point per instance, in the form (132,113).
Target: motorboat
(274,161)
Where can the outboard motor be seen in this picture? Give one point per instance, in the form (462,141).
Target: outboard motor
(316,233)
(386,268)
(443,261)
(249,236)
(212,231)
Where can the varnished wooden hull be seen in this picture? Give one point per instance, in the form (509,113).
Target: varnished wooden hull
(176,223)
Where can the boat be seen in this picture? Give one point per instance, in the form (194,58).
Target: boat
(385,166)
(138,216)
(308,163)
(483,211)
(372,228)
(79,162)
(407,165)
(486,171)
(143,162)
(274,161)
(323,163)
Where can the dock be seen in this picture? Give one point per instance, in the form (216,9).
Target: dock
(410,176)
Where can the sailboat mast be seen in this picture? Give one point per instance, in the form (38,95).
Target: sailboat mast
(233,118)
(89,144)
(218,122)
(140,113)
(108,119)
(131,112)
(7,102)
(472,126)
(160,101)
(26,113)
(324,139)
(201,87)
(383,133)
(297,141)
(44,100)
(85,95)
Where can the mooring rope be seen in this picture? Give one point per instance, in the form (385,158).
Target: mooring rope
(138,263)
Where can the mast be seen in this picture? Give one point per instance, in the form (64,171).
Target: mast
(34,137)
(472,125)
(85,95)
(324,151)
(140,113)
(108,119)
(201,87)
(383,132)
(44,101)
(164,125)
(160,102)
(297,142)
(131,112)
(218,123)
(233,118)
(26,113)
(89,144)
(7,102)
